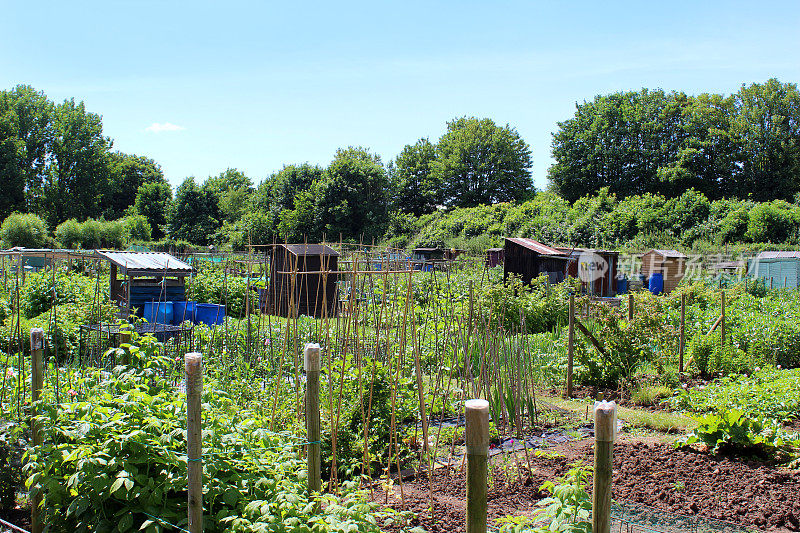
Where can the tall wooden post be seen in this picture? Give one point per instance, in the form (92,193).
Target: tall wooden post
(477,439)
(37,379)
(605,431)
(722,319)
(570,344)
(630,306)
(311,364)
(682,338)
(194,439)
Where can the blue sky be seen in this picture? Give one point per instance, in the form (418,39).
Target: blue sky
(203,86)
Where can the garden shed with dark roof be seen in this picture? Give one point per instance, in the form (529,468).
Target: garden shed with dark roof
(528,259)
(302,281)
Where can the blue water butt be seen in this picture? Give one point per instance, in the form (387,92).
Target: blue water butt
(158,312)
(656,284)
(622,285)
(183,311)
(209,314)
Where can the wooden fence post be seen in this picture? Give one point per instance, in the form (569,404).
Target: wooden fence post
(605,431)
(311,364)
(630,306)
(682,338)
(194,439)
(477,439)
(37,379)
(570,343)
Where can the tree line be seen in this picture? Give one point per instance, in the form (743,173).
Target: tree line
(745,145)
(651,146)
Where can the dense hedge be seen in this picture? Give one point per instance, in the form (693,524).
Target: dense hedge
(642,221)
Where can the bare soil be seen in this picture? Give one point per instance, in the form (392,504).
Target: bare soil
(746,491)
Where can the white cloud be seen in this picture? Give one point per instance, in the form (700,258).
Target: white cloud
(157,127)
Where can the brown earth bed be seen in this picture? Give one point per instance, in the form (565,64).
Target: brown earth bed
(745,491)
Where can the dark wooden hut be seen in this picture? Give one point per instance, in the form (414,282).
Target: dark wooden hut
(146,277)
(529,259)
(302,280)
(604,285)
(495,257)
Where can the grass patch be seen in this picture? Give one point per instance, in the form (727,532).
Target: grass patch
(650,395)
(639,418)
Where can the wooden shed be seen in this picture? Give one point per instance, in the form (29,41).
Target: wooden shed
(529,259)
(605,284)
(302,280)
(671,263)
(146,277)
(777,269)
(495,257)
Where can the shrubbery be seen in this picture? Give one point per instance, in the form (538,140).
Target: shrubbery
(96,233)
(213,286)
(23,229)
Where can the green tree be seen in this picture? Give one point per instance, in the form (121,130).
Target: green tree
(230,190)
(706,158)
(416,189)
(77,178)
(128,173)
(766,126)
(479,162)
(12,179)
(619,141)
(32,116)
(351,199)
(194,213)
(154,201)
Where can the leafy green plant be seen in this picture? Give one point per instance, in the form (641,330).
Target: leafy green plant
(568,509)
(768,393)
(734,431)
(118,463)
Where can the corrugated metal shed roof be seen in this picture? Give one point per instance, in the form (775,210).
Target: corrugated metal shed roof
(310,249)
(536,246)
(155,262)
(668,253)
(779,255)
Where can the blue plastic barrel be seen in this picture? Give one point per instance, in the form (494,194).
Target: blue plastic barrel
(622,285)
(656,284)
(158,312)
(209,314)
(182,311)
